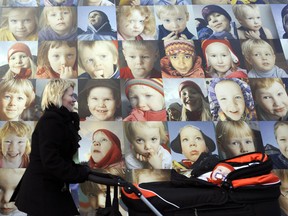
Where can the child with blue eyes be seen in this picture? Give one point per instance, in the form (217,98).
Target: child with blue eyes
(146,150)
(174,22)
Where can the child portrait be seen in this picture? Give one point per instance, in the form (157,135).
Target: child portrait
(233,105)
(98,60)
(19,24)
(135,23)
(99,100)
(271,99)
(148,143)
(283,201)
(280,15)
(145,100)
(57,59)
(141,60)
(15,144)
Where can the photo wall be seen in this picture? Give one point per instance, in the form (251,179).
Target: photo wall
(158,83)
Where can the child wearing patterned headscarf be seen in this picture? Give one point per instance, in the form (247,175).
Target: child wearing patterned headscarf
(181,60)
(146,98)
(232,105)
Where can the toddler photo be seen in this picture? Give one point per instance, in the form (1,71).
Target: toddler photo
(98,60)
(19,24)
(233,105)
(148,143)
(173,22)
(142,60)
(261,57)
(145,100)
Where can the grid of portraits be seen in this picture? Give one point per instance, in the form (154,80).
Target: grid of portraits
(158,83)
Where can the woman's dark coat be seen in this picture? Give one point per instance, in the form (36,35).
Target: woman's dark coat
(44,187)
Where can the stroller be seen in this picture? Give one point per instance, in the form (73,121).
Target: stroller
(250,189)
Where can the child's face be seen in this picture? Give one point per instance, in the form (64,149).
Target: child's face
(231,102)
(12,104)
(132,26)
(21,23)
(283,199)
(239,145)
(218,22)
(219,57)
(140,61)
(95,19)
(145,140)
(17,61)
(191,99)
(282,139)
(100,146)
(60,20)
(8,183)
(13,147)
(262,58)
(61,57)
(273,100)
(175,21)
(145,98)
(101,103)
(98,61)
(251,19)
(192,143)
(182,62)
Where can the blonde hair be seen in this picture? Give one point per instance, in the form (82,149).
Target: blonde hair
(6,12)
(19,86)
(124,12)
(10,74)
(150,45)
(20,129)
(205,113)
(44,21)
(279,124)
(130,126)
(239,10)
(93,44)
(168,9)
(247,46)
(54,91)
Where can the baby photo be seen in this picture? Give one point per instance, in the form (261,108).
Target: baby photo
(97,24)
(15,143)
(19,24)
(135,23)
(186,100)
(143,100)
(254,21)
(233,105)
(139,59)
(261,60)
(217,22)
(99,100)
(236,138)
(98,60)
(17,100)
(280,14)
(18,60)
(147,145)
(175,22)
(189,142)
(57,59)
(276,145)
(271,98)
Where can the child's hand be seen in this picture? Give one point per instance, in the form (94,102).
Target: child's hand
(183,37)
(155,159)
(252,34)
(171,36)
(141,158)
(135,2)
(67,72)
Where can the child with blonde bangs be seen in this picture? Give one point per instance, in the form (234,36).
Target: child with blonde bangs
(135,23)
(57,59)
(58,23)
(147,142)
(15,144)
(98,59)
(19,24)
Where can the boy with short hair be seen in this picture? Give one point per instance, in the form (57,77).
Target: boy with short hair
(140,57)
(260,55)
(174,20)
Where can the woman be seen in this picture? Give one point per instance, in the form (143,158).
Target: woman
(44,189)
